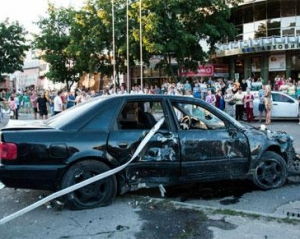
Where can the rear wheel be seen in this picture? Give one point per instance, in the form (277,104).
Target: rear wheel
(97,194)
(271,171)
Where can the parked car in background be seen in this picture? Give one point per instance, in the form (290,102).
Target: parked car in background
(283,106)
(197,142)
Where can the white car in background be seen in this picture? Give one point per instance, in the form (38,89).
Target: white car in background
(283,106)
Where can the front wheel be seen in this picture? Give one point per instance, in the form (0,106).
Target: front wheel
(97,194)
(271,171)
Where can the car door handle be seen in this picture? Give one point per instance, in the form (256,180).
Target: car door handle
(123,145)
(275,104)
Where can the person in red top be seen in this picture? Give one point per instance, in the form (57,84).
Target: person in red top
(248,105)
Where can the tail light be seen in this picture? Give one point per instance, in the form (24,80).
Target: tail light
(8,151)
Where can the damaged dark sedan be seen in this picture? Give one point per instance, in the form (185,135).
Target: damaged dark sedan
(196,143)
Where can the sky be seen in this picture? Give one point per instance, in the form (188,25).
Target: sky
(28,11)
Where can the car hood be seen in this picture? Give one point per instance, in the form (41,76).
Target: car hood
(25,124)
(281,137)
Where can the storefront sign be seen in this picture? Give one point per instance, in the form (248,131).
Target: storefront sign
(207,70)
(269,46)
(275,47)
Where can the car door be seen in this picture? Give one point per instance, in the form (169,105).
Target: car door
(158,163)
(211,147)
(284,106)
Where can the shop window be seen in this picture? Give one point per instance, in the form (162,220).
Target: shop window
(255,64)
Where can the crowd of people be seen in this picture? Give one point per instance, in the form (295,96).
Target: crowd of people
(233,97)
(41,104)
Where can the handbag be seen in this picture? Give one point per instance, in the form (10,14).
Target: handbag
(232,102)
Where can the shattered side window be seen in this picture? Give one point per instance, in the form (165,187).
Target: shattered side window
(140,115)
(191,116)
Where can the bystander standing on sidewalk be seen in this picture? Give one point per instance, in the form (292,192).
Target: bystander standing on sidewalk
(239,105)
(26,101)
(70,100)
(57,102)
(12,105)
(261,104)
(248,105)
(33,100)
(268,103)
(42,102)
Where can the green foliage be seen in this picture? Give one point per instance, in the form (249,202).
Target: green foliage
(174,28)
(74,42)
(12,47)
(53,42)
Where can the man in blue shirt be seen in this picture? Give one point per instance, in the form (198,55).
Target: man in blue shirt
(261,104)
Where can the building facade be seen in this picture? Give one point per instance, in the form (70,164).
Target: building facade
(267,43)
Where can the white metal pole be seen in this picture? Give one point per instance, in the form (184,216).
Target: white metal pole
(113,41)
(127,43)
(141,47)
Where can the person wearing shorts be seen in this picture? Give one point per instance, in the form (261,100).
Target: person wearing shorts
(42,102)
(261,104)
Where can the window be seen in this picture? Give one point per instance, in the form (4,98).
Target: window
(280,98)
(195,117)
(298,21)
(238,17)
(248,14)
(288,22)
(298,8)
(102,121)
(260,29)
(260,11)
(288,8)
(140,115)
(273,27)
(273,9)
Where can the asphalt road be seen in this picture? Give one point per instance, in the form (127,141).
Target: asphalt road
(195,214)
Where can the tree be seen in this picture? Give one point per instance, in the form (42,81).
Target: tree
(12,47)
(76,42)
(174,28)
(90,41)
(53,42)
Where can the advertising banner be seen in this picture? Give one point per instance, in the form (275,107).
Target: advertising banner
(206,70)
(277,63)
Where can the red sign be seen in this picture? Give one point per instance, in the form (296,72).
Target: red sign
(207,70)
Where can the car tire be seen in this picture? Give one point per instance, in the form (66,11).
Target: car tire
(98,194)
(271,171)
